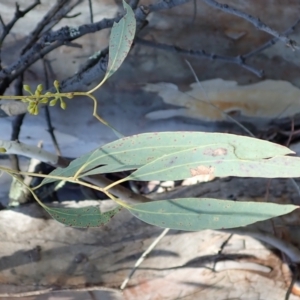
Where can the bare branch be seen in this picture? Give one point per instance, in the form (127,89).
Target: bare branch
(18,15)
(60,37)
(68,34)
(91,11)
(6,28)
(34,35)
(53,290)
(271,42)
(16,124)
(239,60)
(255,21)
(289,250)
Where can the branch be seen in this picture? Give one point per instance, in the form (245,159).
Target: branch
(68,34)
(238,60)
(292,252)
(16,124)
(53,16)
(12,147)
(271,42)
(255,21)
(23,295)
(50,17)
(34,50)
(18,15)
(63,35)
(15,147)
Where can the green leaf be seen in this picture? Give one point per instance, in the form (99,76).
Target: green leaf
(135,151)
(218,160)
(121,37)
(89,216)
(194,214)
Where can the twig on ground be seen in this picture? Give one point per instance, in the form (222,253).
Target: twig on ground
(142,258)
(253,20)
(292,252)
(56,290)
(295,273)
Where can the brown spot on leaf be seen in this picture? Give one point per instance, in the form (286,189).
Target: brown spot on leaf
(204,173)
(215,152)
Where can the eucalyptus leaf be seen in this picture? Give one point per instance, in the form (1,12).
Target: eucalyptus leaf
(215,161)
(193,214)
(121,38)
(83,217)
(132,152)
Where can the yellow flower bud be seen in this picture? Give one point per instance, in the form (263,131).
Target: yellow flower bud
(35,110)
(63,104)
(39,88)
(53,102)
(31,104)
(44,100)
(56,84)
(26,87)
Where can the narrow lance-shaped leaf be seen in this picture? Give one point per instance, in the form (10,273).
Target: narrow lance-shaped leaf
(215,161)
(82,217)
(135,151)
(194,214)
(121,38)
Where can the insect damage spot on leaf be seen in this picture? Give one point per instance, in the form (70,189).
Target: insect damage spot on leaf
(204,173)
(215,152)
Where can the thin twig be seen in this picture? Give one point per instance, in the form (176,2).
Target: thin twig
(292,252)
(47,112)
(255,21)
(271,42)
(56,290)
(142,258)
(54,39)
(6,28)
(67,34)
(56,161)
(295,273)
(34,35)
(16,125)
(18,15)
(238,60)
(72,16)
(216,107)
(91,11)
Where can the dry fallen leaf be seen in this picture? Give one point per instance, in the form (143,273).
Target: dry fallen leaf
(267,99)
